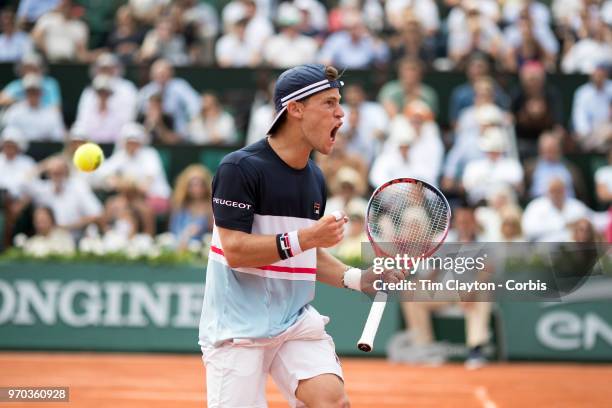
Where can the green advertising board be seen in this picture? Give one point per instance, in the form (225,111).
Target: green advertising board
(573,329)
(84,306)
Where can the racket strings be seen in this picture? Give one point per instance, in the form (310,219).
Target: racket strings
(407,218)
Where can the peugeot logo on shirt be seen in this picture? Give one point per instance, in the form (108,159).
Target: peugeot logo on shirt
(230,203)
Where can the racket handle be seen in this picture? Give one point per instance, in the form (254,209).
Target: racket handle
(366,342)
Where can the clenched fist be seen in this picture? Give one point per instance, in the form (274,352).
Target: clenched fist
(325,233)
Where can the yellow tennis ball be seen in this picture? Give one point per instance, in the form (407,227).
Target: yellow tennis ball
(88,157)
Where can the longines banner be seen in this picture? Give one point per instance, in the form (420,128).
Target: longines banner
(109,307)
(84,306)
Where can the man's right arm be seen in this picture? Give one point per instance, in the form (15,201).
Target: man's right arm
(242,250)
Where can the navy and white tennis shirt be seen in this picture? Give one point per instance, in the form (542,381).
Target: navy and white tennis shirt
(255,191)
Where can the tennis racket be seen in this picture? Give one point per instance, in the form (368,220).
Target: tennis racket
(404,216)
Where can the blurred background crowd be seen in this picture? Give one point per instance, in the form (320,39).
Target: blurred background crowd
(504,152)
(500,155)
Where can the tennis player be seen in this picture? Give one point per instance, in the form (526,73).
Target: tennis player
(267,252)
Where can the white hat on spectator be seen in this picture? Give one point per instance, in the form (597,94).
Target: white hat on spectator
(288,15)
(133,132)
(350,176)
(401,131)
(106,59)
(32,81)
(103,83)
(31,58)
(14,135)
(233,13)
(493,140)
(489,114)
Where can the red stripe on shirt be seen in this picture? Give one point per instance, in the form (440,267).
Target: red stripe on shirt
(274,268)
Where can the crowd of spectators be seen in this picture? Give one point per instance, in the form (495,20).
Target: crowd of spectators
(500,155)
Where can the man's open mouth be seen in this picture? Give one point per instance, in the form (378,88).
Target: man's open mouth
(333,132)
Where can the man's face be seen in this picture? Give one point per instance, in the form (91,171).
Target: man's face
(33,96)
(556,193)
(10,150)
(321,119)
(477,69)
(410,74)
(550,150)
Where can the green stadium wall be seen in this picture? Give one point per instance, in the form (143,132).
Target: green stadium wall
(143,308)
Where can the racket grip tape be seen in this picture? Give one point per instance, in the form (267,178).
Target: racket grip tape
(366,342)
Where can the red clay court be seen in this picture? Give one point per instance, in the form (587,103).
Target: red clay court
(161,380)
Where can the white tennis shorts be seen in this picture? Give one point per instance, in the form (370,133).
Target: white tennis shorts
(237,371)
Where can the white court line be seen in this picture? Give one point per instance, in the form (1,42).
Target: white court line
(482,395)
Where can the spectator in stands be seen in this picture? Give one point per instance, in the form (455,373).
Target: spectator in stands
(14,43)
(135,170)
(147,12)
(412,42)
(124,97)
(365,123)
(549,218)
(202,20)
(179,99)
(426,11)
(371,10)
(213,125)
(314,17)
(191,215)
(14,90)
(394,95)
(258,27)
(234,49)
(511,230)
(536,106)
(463,95)
(125,37)
(262,114)
(31,10)
(427,150)
(457,17)
(48,233)
(418,315)
(101,116)
(107,63)
(399,161)
(354,47)
(73,203)
(538,12)
(121,221)
(528,41)
(289,47)
(164,41)
(549,165)
(347,188)
(61,35)
(482,176)
(587,53)
(157,123)
(591,109)
(491,217)
(36,121)
(478,33)
(584,232)
(472,123)
(15,165)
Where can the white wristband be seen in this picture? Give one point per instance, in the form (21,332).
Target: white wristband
(295,243)
(352,279)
